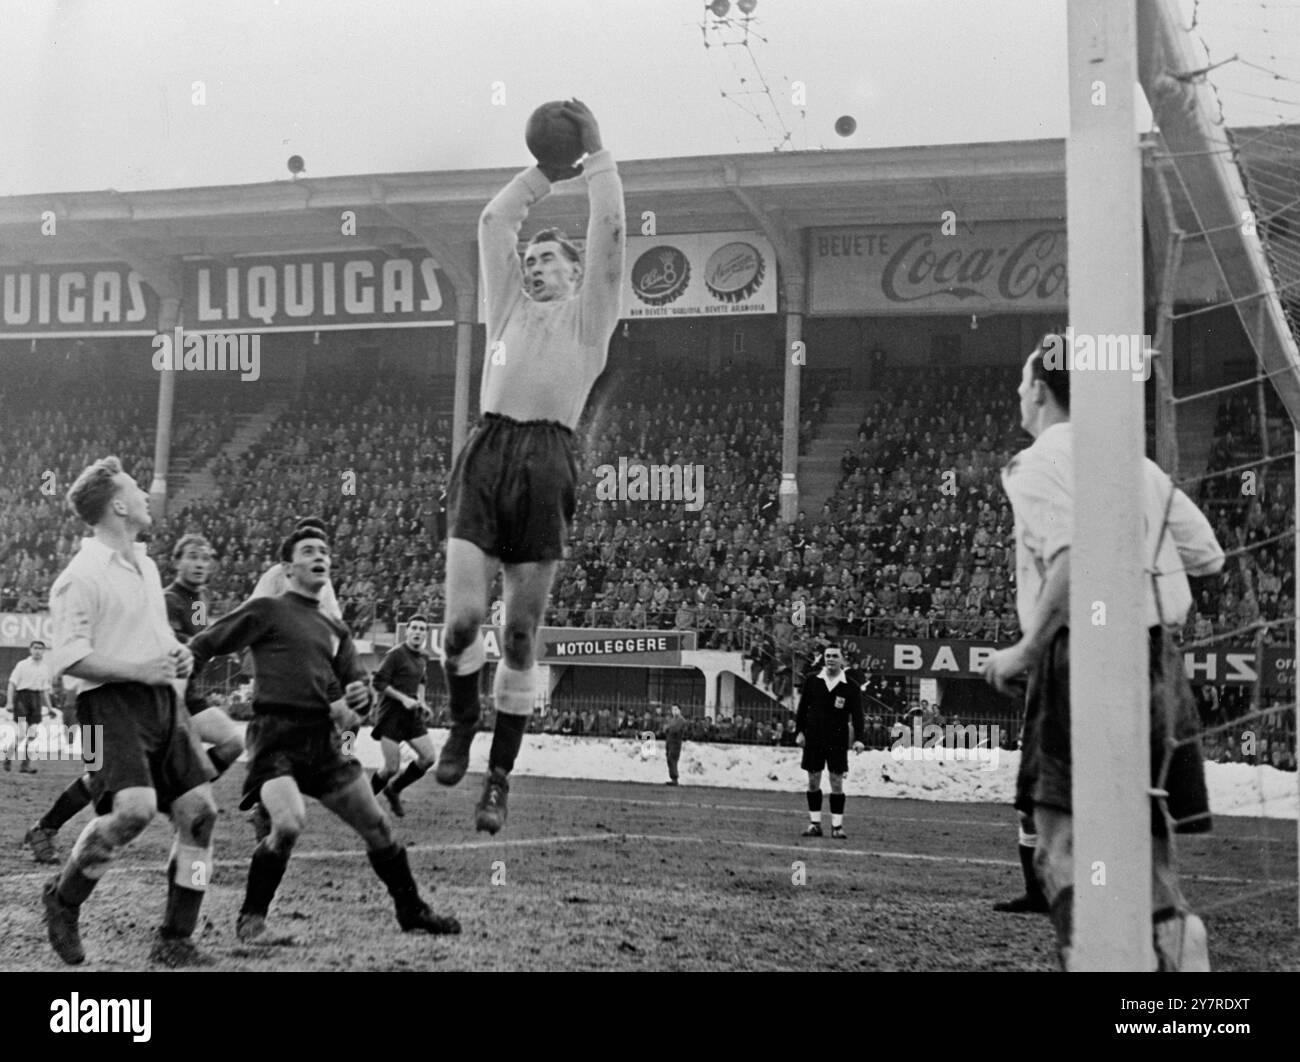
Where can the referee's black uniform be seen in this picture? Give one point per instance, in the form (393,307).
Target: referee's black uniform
(823,717)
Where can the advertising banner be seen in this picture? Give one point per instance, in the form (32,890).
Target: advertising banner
(956,658)
(317,292)
(40,302)
(699,275)
(587,645)
(918,269)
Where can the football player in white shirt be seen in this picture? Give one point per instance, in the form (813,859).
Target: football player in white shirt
(29,699)
(1039,481)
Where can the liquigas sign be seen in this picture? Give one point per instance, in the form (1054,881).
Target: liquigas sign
(303,292)
(311,291)
(86,299)
(933,268)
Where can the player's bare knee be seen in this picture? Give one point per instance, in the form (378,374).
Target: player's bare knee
(130,816)
(199,821)
(462,627)
(837,783)
(517,644)
(1043,863)
(285,831)
(425,760)
(380,831)
(231,749)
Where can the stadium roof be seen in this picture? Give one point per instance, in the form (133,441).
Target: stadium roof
(981,182)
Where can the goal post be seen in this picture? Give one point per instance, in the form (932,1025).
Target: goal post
(1108,639)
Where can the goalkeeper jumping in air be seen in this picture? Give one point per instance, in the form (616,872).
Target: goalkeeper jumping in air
(512,492)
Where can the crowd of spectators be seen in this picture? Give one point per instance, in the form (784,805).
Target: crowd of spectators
(1233,732)
(1253,512)
(44,445)
(373,469)
(914,542)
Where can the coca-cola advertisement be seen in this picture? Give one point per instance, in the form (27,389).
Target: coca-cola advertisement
(942,267)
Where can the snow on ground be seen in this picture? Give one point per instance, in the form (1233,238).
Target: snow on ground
(1235,788)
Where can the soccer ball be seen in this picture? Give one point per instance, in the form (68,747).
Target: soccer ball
(552,136)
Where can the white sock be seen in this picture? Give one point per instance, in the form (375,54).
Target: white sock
(815,816)
(837,820)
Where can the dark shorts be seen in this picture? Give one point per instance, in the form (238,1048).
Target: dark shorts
(397,723)
(1045,759)
(27,706)
(513,489)
(817,757)
(147,741)
(308,750)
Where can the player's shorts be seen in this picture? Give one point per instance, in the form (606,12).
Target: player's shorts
(27,706)
(1045,761)
(147,741)
(817,757)
(513,489)
(195,703)
(308,749)
(397,723)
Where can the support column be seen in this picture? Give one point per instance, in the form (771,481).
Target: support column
(169,314)
(794,301)
(790,416)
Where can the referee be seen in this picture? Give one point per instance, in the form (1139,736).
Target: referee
(29,693)
(112,638)
(827,704)
(1039,482)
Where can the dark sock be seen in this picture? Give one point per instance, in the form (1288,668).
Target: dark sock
(463,696)
(394,870)
(221,761)
(182,907)
(75,797)
(264,873)
(378,780)
(814,800)
(1063,919)
(75,887)
(506,739)
(413,773)
(837,803)
(1033,889)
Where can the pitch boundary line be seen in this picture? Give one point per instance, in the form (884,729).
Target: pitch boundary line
(1008,824)
(320,855)
(641,802)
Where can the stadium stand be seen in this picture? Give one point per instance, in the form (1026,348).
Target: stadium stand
(896,551)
